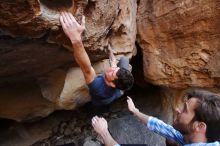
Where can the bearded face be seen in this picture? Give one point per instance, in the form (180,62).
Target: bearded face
(185,115)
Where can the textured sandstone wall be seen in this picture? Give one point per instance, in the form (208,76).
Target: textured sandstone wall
(180,41)
(37,71)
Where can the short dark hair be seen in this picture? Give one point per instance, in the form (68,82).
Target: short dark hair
(208,111)
(125,79)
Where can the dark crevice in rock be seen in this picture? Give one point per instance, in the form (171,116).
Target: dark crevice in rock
(89,7)
(138,2)
(5,124)
(137,68)
(57,4)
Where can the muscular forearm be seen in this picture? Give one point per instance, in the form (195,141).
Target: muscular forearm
(107,138)
(142,117)
(83,60)
(73,31)
(80,55)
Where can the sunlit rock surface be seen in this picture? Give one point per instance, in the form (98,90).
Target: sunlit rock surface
(180,41)
(35,52)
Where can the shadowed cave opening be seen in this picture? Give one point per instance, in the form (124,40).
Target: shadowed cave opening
(57,4)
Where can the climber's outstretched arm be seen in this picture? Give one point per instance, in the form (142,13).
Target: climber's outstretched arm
(73,30)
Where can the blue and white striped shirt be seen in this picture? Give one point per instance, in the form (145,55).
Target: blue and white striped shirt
(167,131)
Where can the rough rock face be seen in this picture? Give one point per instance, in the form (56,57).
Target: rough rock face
(35,52)
(128,130)
(180,42)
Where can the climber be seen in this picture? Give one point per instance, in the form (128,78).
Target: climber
(197,122)
(105,88)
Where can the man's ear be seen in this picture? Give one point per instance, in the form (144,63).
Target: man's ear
(202,126)
(199,126)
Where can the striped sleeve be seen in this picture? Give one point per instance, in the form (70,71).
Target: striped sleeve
(165,130)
